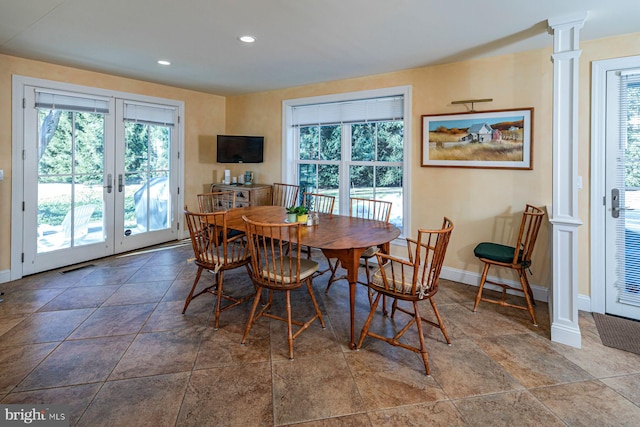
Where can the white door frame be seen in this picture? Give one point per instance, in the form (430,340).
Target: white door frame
(599,198)
(17,153)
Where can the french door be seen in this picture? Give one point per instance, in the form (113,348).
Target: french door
(100,176)
(622,182)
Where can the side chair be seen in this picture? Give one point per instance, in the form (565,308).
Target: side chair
(216,201)
(412,280)
(495,254)
(217,252)
(276,272)
(285,195)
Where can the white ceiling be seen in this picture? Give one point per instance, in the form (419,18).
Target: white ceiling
(298,41)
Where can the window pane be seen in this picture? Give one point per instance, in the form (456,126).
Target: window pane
(330,142)
(361,178)
(390,141)
(362,141)
(309,143)
(389,188)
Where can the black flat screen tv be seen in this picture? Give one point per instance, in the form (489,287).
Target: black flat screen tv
(240,149)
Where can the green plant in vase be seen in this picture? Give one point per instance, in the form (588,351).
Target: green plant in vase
(302,214)
(292,214)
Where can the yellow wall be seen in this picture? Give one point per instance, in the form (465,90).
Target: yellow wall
(204,119)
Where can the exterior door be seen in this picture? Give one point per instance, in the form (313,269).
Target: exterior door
(623,193)
(100,177)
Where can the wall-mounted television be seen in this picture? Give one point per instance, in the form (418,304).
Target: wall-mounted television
(240,149)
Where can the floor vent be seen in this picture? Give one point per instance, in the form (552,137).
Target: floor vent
(76,268)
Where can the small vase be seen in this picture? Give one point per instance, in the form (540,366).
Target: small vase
(303,218)
(291,218)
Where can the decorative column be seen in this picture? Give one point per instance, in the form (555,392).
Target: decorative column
(564,219)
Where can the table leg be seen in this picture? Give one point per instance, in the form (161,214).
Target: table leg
(350,260)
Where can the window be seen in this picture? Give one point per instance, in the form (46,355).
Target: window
(351,145)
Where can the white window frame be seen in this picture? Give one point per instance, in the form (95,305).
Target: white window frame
(289,149)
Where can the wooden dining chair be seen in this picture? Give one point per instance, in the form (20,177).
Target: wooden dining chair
(285,195)
(378,210)
(495,254)
(216,201)
(413,280)
(215,253)
(275,271)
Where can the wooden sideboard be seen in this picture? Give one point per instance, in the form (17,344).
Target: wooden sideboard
(247,195)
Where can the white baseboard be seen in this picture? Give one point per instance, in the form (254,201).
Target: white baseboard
(584,303)
(5,276)
(468,278)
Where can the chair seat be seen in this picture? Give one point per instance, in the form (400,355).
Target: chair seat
(393,271)
(494,252)
(307,268)
(371,251)
(238,256)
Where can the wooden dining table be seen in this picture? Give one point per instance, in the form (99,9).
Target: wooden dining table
(338,236)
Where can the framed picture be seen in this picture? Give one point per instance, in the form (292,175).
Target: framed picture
(500,139)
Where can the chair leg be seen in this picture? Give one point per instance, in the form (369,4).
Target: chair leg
(333,268)
(289,326)
(219,280)
(440,322)
(482,280)
(423,348)
(315,303)
(251,320)
(193,288)
(527,291)
(365,328)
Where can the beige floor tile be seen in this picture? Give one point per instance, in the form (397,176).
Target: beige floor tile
(81,297)
(464,370)
(589,403)
(434,414)
(138,293)
(77,362)
(389,376)
(112,321)
(45,327)
(628,386)
(229,396)
(516,408)
(307,389)
(158,353)
(18,362)
(153,401)
(532,360)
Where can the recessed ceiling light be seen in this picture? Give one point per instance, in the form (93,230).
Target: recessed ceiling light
(163,62)
(247,39)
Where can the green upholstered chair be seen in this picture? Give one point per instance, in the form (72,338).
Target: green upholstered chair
(495,254)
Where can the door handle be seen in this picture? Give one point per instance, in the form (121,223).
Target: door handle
(615,203)
(109,185)
(120,184)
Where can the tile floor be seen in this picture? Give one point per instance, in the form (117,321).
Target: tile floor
(110,341)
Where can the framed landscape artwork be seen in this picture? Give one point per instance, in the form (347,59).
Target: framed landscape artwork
(500,139)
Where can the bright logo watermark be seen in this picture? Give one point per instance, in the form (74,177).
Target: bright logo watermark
(34,415)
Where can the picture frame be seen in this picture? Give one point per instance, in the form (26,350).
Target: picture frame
(497,139)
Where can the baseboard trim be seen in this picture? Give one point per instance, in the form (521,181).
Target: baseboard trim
(473,279)
(5,276)
(584,303)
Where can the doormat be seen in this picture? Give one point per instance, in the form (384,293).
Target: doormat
(617,332)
